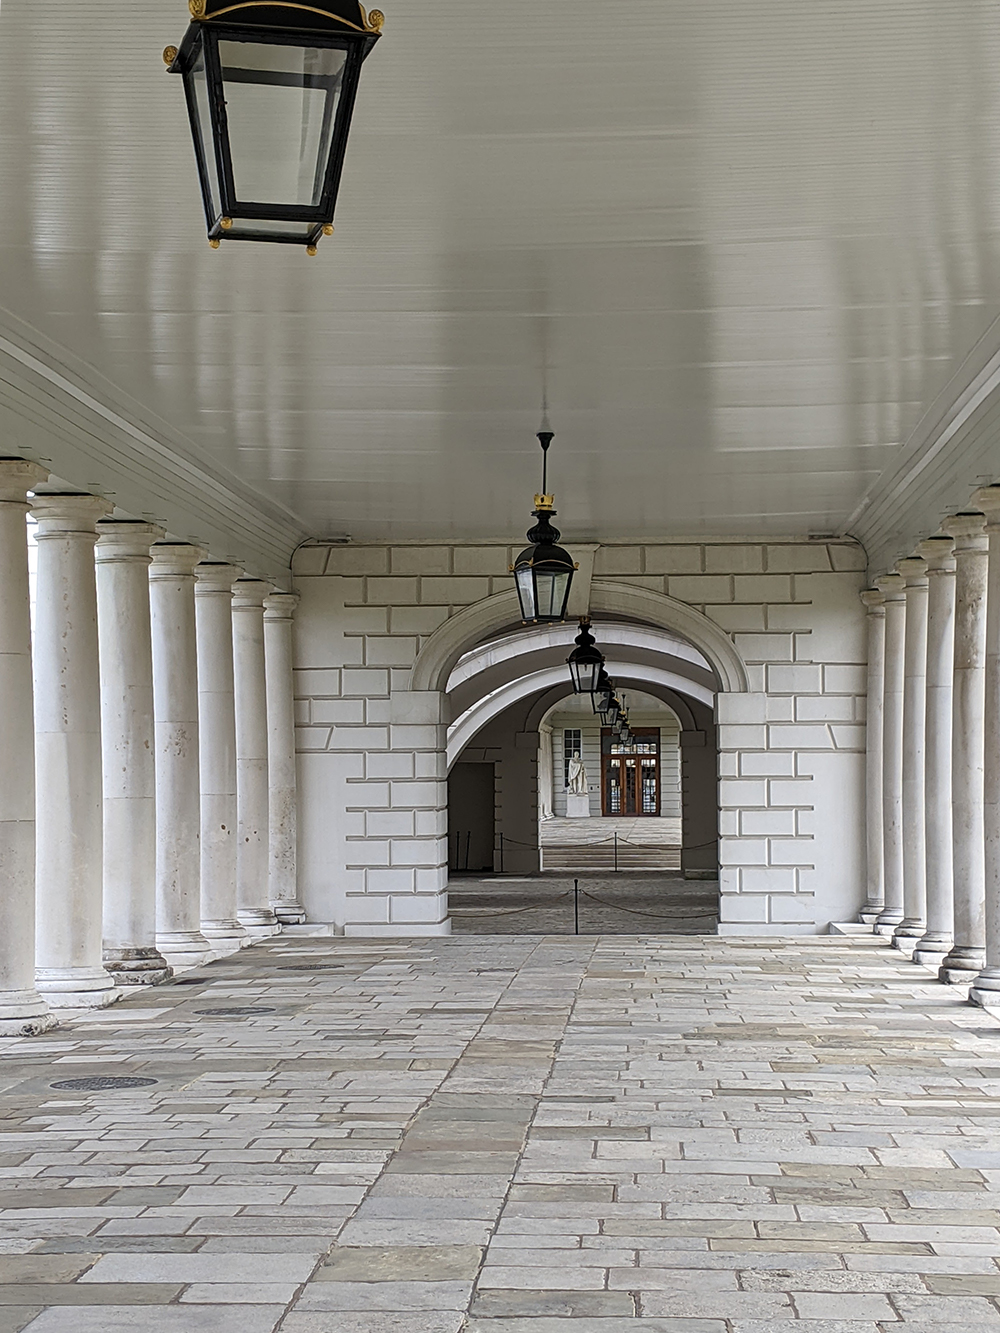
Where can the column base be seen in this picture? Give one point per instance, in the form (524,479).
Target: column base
(260,923)
(928,956)
(144,966)
(910,929)
(23,1013)
(76,987)
(986,999)
(289,914)
(869,915)
(184,948)
(222,934)
(962,965)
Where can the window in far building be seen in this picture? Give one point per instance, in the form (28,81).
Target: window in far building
(572,741)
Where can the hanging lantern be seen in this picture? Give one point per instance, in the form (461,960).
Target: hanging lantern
(601,697)
(543,571)
(585,661)
(270,88)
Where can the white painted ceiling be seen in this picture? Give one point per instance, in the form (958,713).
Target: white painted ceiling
(750,249)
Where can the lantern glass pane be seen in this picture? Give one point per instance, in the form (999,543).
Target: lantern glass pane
(552,589)
(524,579)
(201,121)
(281,108)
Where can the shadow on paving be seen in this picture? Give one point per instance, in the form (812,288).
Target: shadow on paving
(612,904)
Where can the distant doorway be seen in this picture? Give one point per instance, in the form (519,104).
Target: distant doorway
(630,774)
(471,816)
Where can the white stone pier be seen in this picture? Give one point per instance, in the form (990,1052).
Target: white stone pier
(937,938)
(178,802)
(967,954)
(69,837)
(213,599)
(279,608)
(892,588)
(22,1009)
(130,952)
(254,912)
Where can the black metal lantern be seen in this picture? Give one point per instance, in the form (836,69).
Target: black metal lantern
(543,571)
(612,711)
(601,697)
(270,88)
(585,661)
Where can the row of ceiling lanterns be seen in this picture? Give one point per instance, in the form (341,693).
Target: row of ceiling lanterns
(543,575)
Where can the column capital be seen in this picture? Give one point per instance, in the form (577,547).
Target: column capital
(874,600)
(939,552)
(249,594)
(215,576)
(913,570)
(969,530)
(280,605)
(58,515)
(987,498)
(891,586)
(17,476)
(174,559)
(125,539)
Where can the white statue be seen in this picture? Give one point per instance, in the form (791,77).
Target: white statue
(576,780)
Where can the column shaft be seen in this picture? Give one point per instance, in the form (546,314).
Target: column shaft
(23,1012)
(892,588)
(282,798)
(937,938)
(967,954)
(875,901)
(217,747)
(175,707)
(68,847)
(986,987)
(130,952)
(251,758)
(913,924)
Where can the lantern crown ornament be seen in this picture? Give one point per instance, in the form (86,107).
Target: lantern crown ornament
(270,88)
(543,572)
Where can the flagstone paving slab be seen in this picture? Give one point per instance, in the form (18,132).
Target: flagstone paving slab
(503,1134)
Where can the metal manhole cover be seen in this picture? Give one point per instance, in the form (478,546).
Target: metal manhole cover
(101,1083)
(236,1011)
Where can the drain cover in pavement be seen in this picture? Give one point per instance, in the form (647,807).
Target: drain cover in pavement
(189,981)
(236,1011)
(100,1083)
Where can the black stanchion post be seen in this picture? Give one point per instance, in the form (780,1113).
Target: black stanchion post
(468,840)
(576,907)
(501,853)
(616,849)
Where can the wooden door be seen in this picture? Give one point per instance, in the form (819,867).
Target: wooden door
(630,775)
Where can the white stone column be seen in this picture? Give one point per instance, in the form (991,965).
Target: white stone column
(968,953)
(986,987)
(68,843)
(283,890)
(875,605)
(130,952)
(913,924)
(892,588)
(23,1012)
(254,911)
(178,801)
(213,602)
(937,938)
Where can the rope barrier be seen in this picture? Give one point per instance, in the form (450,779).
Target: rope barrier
(657,916)
(510,911)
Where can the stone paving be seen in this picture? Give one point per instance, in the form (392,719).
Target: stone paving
(511,1135)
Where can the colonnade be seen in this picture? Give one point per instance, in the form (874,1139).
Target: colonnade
(147,796)
(933,763)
